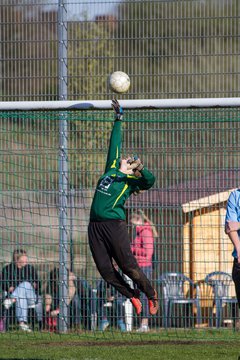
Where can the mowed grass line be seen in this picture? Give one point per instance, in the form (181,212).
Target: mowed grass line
(123,352)
(117,347)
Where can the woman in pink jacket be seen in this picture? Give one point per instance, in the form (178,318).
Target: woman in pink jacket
(142,249)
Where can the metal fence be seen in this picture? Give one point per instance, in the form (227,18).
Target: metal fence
(170,49)
(194,156)
(66,50)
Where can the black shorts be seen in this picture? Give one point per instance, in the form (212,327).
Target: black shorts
(110,240)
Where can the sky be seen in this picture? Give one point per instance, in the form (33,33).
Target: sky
(86,10)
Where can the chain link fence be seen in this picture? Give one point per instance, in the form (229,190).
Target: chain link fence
(170,49)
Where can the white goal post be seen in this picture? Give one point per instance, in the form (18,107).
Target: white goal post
(127,104)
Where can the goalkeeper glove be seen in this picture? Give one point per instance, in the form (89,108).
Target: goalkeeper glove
(118,109)
(135,164)
(138,192)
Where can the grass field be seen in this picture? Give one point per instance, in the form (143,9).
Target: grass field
(114,346)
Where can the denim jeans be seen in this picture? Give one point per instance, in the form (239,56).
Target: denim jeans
(147,270)
(26,298)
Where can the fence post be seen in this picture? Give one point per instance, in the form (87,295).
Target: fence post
(63,169)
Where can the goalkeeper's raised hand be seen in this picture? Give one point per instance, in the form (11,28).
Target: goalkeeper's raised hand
(118,109)
(135,164)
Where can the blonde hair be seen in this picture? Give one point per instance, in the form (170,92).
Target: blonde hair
(146,219)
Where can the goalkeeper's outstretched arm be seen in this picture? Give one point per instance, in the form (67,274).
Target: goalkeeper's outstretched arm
(146,180)
(114,150)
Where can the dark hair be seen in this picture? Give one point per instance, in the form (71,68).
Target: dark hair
(17,253)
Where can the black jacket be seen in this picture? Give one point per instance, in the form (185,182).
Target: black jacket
(13,276)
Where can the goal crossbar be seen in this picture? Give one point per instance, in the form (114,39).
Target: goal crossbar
(127,104)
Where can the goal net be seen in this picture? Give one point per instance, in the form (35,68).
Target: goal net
(52,154)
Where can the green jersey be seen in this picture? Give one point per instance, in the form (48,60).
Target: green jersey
(114,187)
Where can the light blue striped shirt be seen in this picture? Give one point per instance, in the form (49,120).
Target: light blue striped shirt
(233,211)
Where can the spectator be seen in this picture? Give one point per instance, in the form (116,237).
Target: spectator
(22,287)
(143,249)
(52,299)
(110,302)
(232,229)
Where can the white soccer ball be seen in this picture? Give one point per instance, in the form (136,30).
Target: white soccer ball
(119,82)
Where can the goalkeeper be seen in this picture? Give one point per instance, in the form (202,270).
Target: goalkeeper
(107,230)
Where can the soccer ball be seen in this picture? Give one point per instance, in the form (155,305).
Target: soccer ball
(119,82)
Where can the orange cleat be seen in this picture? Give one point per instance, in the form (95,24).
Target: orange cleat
(153,304)
(137,304)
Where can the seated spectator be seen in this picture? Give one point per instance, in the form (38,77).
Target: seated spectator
(22,287)
(84,295)
(111,306)
(144,237)
(52,300)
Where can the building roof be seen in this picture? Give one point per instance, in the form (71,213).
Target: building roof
(213,188)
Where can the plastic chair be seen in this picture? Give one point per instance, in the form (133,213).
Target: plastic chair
(220,282)
(173,293)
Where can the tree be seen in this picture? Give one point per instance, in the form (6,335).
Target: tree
(29,52)
(180,48)
(90,59)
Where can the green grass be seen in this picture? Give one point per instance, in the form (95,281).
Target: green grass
(207,345)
